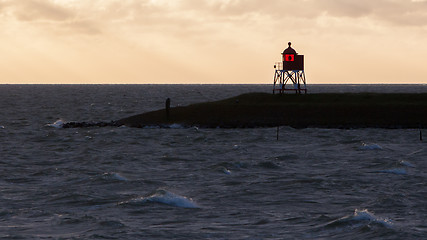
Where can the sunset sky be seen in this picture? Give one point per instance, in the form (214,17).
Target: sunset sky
(211,41)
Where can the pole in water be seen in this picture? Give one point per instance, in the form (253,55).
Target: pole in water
(421,135)
(168,106)
(277,133)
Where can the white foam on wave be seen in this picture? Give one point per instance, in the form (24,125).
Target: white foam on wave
(362,217)
(57,124)
(406,163)
(226,171)
(365,215)
(168,198)
(370,146)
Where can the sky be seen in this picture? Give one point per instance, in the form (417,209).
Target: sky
(211,41)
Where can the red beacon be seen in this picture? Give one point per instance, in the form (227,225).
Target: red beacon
(289,74)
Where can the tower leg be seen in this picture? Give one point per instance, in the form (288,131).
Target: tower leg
(283,78)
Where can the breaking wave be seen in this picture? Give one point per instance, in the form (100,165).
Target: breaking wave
(165,197)
(361,217)
(57,124)
(370,146)
(406,164)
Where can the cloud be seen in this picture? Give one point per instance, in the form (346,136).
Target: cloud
(346,8)
(392,12)
(197,18)
(47,16)
(147,13)
(399,12)
(33,10)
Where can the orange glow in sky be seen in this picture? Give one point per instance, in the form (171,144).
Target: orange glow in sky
(211,41)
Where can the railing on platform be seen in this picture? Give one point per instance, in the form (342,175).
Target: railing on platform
(278,65)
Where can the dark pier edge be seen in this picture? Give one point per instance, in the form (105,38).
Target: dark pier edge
(329,110)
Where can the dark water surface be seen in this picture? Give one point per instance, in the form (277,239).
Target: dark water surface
(124,183)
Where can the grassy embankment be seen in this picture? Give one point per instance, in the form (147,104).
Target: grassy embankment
(332,110)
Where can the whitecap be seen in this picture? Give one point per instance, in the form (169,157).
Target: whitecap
(370,146)
(361,217)
(2,127)
(166,197)
(226,171)
(57,124)
(169,198)
(406,163)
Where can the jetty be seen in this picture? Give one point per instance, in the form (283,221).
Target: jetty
(325,110)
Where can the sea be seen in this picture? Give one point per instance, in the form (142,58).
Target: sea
(195,183)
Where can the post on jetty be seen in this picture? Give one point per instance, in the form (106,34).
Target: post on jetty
(167,107)
(289,74)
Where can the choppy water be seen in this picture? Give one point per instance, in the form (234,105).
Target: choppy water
(125,183)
